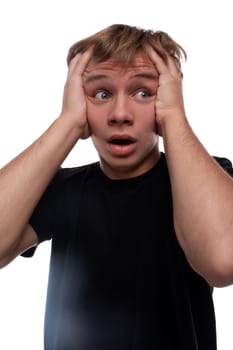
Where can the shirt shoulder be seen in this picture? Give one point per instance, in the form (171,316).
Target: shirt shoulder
(225,163)
(57,201)
(65,174)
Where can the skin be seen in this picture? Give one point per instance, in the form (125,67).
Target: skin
(202,191)
(116,105)
(202,208)
(121,105)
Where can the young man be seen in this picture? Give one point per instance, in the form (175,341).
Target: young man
(139,238)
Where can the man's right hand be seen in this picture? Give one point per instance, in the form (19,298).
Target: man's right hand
(43,157)
(74,102)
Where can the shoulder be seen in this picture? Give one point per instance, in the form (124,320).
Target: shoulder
(65,175)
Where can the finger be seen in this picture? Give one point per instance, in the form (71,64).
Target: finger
(73,63)
(173,66)
(79,63)
(157,60)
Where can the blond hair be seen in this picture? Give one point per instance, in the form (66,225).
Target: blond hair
(123,42)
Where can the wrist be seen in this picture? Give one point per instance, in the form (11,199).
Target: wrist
(173,124)
(67,131)
(73,126)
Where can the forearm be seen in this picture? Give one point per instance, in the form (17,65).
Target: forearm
(202,199)
(24,179)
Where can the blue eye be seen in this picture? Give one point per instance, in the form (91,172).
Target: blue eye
(102,95)
(142,94)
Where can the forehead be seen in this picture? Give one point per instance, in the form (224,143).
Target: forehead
(141,63)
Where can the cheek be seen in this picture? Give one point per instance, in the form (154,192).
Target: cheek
(149,118)
(150,125)
(92,115)
(93,124)
(96,120)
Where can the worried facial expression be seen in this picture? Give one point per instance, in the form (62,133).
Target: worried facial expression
(121,115)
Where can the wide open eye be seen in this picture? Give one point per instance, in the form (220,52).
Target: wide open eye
(142,94)
(102,95)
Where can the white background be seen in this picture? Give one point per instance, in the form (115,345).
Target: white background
(34,39)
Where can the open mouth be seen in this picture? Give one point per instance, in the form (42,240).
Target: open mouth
(121,142)
(122,145)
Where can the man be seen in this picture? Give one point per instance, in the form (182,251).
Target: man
(139,238)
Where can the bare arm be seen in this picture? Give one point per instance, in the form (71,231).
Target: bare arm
(202,192)
(26,177)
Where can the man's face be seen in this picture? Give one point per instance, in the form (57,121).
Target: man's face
(121,115)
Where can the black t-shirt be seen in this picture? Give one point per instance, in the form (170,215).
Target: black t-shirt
(118,278)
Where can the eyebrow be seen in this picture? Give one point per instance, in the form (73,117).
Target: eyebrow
(146,75)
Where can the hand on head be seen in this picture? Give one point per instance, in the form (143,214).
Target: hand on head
(169,100)
(74,101)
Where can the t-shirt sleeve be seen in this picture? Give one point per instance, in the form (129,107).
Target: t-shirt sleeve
(226,164)
(46,214)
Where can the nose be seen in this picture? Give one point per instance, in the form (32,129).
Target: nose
(121,113)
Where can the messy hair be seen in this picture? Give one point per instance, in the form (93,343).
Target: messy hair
(123,42)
